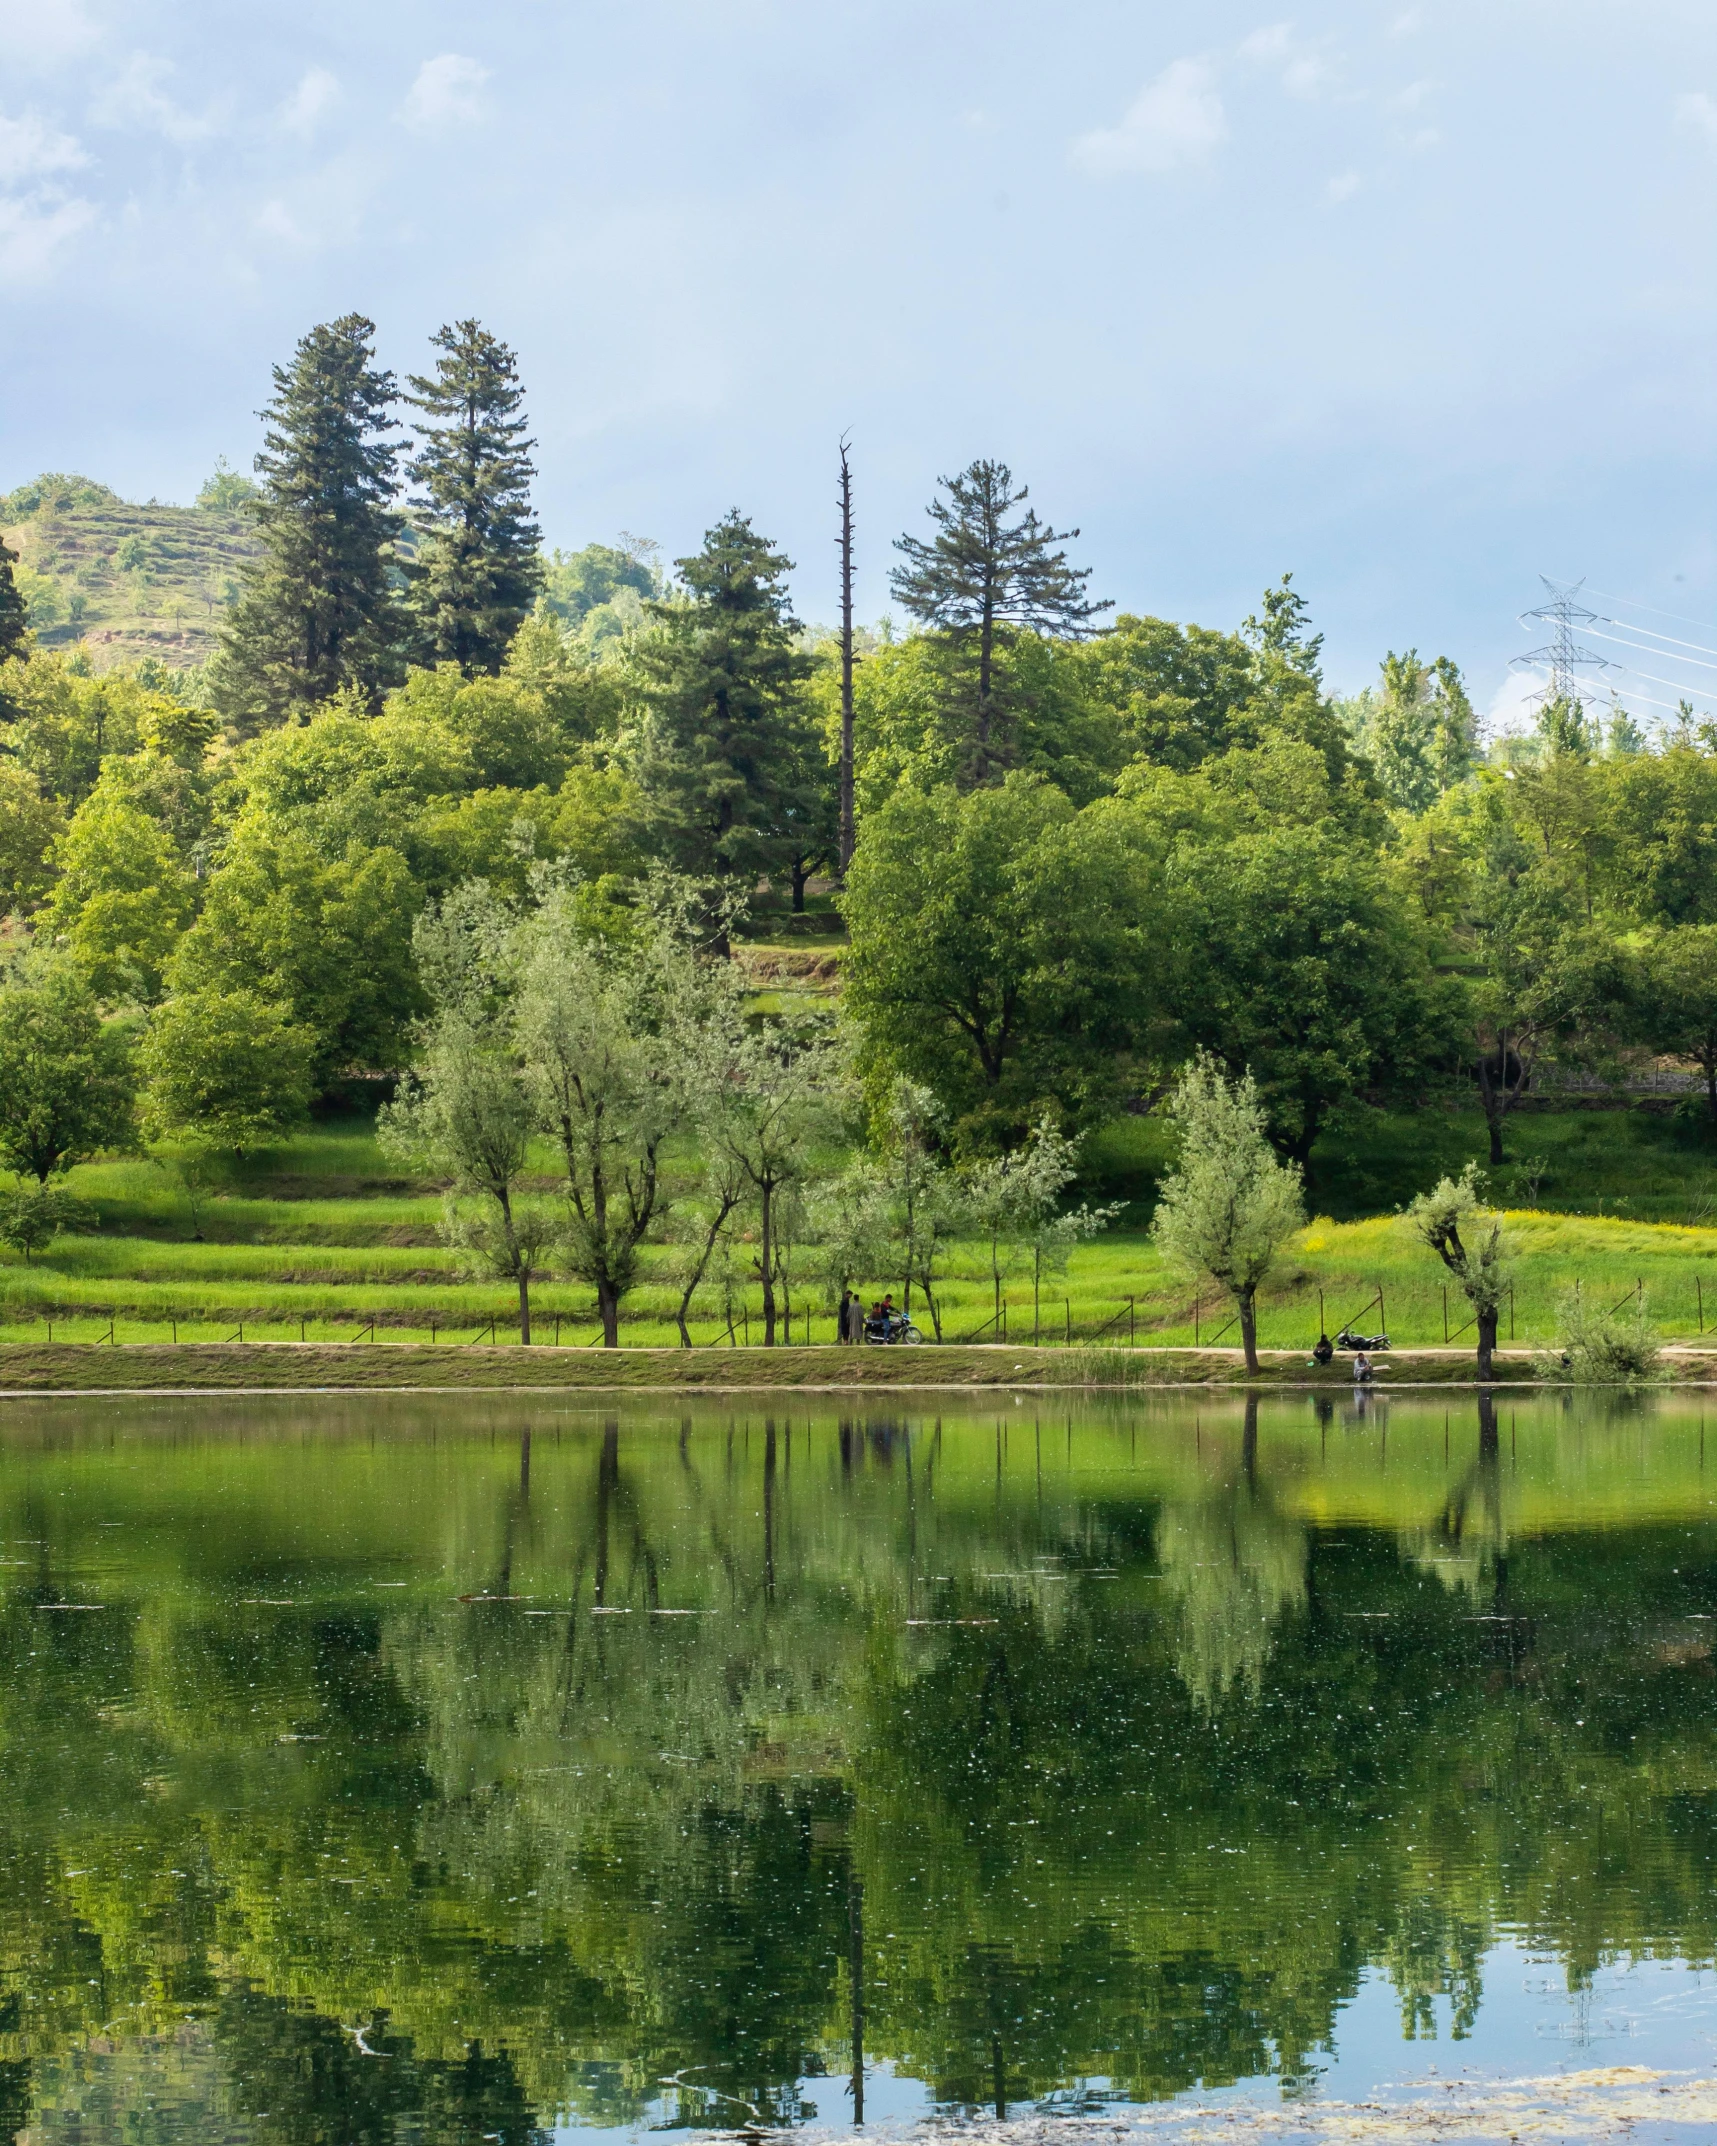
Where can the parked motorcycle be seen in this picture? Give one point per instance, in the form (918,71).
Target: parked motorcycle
(892,1333)
(1370,1343)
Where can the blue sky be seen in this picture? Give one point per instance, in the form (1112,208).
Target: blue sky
(1414,299)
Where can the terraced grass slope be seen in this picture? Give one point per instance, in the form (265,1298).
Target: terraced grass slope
(324,1240)
(128,581)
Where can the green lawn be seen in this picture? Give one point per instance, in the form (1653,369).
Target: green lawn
(324,1237)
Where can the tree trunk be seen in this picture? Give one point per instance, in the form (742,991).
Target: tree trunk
(1711,1084)
(524,1308)
(1487,1340)
(1493,1100)
(1249,1329)
(848,834)
(608,1309)
(800,869)
(766,1248)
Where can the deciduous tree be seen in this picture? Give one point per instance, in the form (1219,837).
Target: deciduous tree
(1467,1237)
(1229,1205)
(67,1088)
(224,1070)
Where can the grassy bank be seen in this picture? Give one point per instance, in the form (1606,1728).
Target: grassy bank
(83,1368)
(324,1241)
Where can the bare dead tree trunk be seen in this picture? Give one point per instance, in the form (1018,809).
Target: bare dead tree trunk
(849,831)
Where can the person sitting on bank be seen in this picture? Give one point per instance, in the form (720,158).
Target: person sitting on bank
(1361,1369)
(1323,1350)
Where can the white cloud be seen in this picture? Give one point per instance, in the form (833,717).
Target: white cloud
(1697,109)
(1410,98)
(44,32)
(1175,120)
(311,102)
(33,228)
(1343,186)
(1268,45)
(29,149)
(135,98)
(1407,25)
(1304,77)
(448,90)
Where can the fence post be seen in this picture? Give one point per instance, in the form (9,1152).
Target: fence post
(1511,1311)
(1132,1322)
(1382,1315)
(1195,1322)
(1700,1286)
(1067,1306)
(1445,1314)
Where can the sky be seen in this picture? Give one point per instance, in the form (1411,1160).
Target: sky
(1415,300)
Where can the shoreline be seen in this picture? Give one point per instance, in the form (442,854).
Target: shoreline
(404,1367)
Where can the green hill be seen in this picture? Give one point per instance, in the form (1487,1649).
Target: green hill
(128,581)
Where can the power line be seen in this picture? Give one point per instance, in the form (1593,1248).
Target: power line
(1646,649)
(1633,603)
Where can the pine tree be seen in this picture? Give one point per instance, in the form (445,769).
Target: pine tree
(724,760)
(14,614)
(318,612)
(478,574)
(982,578)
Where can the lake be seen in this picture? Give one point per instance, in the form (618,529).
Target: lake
(445,1769)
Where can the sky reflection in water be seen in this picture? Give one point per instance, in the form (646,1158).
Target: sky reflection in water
(446,1770)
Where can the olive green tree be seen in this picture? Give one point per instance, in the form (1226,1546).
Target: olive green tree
(1229,1205)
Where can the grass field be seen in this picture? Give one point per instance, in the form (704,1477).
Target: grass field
(323,1240)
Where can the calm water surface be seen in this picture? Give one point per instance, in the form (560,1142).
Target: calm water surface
(439,1770)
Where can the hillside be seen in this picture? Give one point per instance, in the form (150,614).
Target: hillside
(128,581)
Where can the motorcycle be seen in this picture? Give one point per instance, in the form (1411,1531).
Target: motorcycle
(892,1333)
(1370,1343)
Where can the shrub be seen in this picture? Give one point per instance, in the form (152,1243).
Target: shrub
(1603,1348)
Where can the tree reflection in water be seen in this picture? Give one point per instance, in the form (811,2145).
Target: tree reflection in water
(436,1771)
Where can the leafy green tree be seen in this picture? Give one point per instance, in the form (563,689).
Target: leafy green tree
(1678,1002)
(226,491)
(1015,1202)
(723,761)
(477,573)
(772,1109)
(1478,1259)
(317,613)
(911,727)
(1229,1206)
(1660,818)
(923,1203)
(1416,728)
(14,613)
(32,1215)
(577,583)
(67,1089)
(980,580)
(465,1113)
(326,940)
(224,1070)
(599,1026)
(1536,976)
(30,827)
(1299,962)
(122,901)
(1002,949)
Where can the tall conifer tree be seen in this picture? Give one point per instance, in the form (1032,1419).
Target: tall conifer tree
(14,614)
(479,571)
(318,611)
(726,760)
(981,578)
